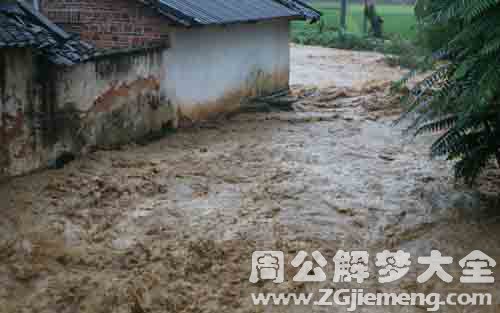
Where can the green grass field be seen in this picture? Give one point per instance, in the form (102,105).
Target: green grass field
(398,19)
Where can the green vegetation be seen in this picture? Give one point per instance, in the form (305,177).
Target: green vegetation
(398,19)
(461,98)
(399,28)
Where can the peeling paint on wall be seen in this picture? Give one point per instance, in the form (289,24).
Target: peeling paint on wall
(106,100)
(109,118)
(48,111)
(14,94)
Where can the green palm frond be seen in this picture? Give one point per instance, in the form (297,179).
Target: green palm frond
(443,123)
(461,98)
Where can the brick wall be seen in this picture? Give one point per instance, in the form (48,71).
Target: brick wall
(109,23)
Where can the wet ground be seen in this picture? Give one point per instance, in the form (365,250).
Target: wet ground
(324,67)
(171,226)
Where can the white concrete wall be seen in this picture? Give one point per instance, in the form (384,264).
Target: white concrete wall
(209,68)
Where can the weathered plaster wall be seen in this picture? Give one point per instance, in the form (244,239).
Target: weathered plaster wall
(17,99)
(47,111)
(209,69)
(118,98)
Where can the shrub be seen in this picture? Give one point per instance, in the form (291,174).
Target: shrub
(461,96)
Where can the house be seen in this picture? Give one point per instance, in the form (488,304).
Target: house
(59,96)
(91,81)
(220,50)
(26,37)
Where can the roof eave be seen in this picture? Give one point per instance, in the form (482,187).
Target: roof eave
(302,12)
(251,21)
(308,12)
(46,22)
(175,16)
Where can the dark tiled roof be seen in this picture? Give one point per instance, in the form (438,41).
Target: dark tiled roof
(304,9)
(207,12)
(20,26)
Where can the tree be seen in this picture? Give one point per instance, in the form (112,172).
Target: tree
(376,21)
(343,14)
(461,98)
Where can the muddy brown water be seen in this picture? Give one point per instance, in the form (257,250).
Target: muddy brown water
(171,226)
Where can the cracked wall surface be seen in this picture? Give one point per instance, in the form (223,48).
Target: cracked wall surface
(48,111)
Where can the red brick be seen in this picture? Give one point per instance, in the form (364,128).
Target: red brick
(109,23)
